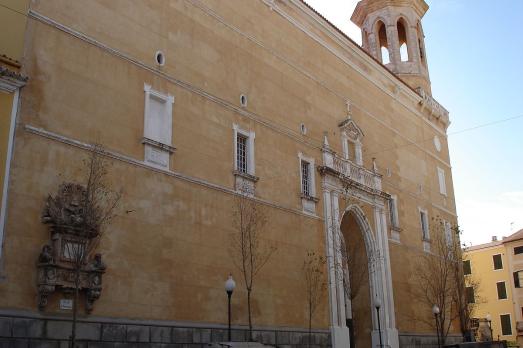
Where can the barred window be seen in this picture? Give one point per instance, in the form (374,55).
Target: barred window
(305,178)
(241,153)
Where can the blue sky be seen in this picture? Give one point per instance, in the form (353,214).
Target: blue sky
(474,50)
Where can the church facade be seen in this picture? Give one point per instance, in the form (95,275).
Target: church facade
(343,146)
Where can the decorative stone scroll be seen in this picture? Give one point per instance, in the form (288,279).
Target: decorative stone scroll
(73,234)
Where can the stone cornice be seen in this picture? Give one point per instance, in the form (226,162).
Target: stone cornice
(11,80)
(365,7)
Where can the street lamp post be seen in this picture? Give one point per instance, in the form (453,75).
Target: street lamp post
(230,284)
(489,320)
(435,311)
(377,304)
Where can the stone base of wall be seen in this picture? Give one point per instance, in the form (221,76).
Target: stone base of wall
(50,332)
(411,340)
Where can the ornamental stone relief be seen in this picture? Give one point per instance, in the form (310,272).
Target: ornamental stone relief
(67,261)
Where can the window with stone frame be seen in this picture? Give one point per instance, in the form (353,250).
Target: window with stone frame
(305,178)
(442,181)
(518,279)
(502,290)
(393,212)
(241,153)
(424,223)
(497,261)
(506,324)
(157,137)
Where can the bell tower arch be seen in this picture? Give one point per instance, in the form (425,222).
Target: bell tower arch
(392,33)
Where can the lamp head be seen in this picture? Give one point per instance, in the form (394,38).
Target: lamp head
(230,284)
(377,302)
(488,317)
(435,310)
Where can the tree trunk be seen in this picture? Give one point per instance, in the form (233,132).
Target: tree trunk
(249,311)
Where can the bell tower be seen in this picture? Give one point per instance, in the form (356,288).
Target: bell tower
(392,33)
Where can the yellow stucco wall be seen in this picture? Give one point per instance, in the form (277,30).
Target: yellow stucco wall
(13,19)
(168,258)
(482,268)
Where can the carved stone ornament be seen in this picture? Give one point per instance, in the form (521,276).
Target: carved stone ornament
(73,231)
(351,129)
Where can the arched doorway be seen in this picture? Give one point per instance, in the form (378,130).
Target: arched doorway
(356,283)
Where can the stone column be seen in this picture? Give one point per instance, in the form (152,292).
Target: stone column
(394,46)
(388,313)
(338,258)
(329,253)
(413,43)
(373,45)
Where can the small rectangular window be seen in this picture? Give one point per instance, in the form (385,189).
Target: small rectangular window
(518,279)
(157,137)
(393,211)
(466,267)
(469,294)
(506,325)
(241,153)
(502,290)
(424,221)
(442,184)
(518,250)
(498,263)
(305,178)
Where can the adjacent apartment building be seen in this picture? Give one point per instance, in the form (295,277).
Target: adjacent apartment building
(192,100)
(498,268)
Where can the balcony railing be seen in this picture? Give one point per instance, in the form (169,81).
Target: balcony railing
(351,171)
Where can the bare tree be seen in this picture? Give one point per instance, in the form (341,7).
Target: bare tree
(314,279)
(466,297)
(439,276)
(249,251)
(98,210)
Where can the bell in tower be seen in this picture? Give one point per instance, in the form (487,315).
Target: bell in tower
(392,33)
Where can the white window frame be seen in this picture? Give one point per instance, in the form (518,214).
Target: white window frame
(168,101)
(312,181)
(250,135)
(157,150)
(393,210)
(442,182)
(425,235)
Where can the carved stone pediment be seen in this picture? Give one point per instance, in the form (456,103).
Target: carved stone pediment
(67,261)
(351,129)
